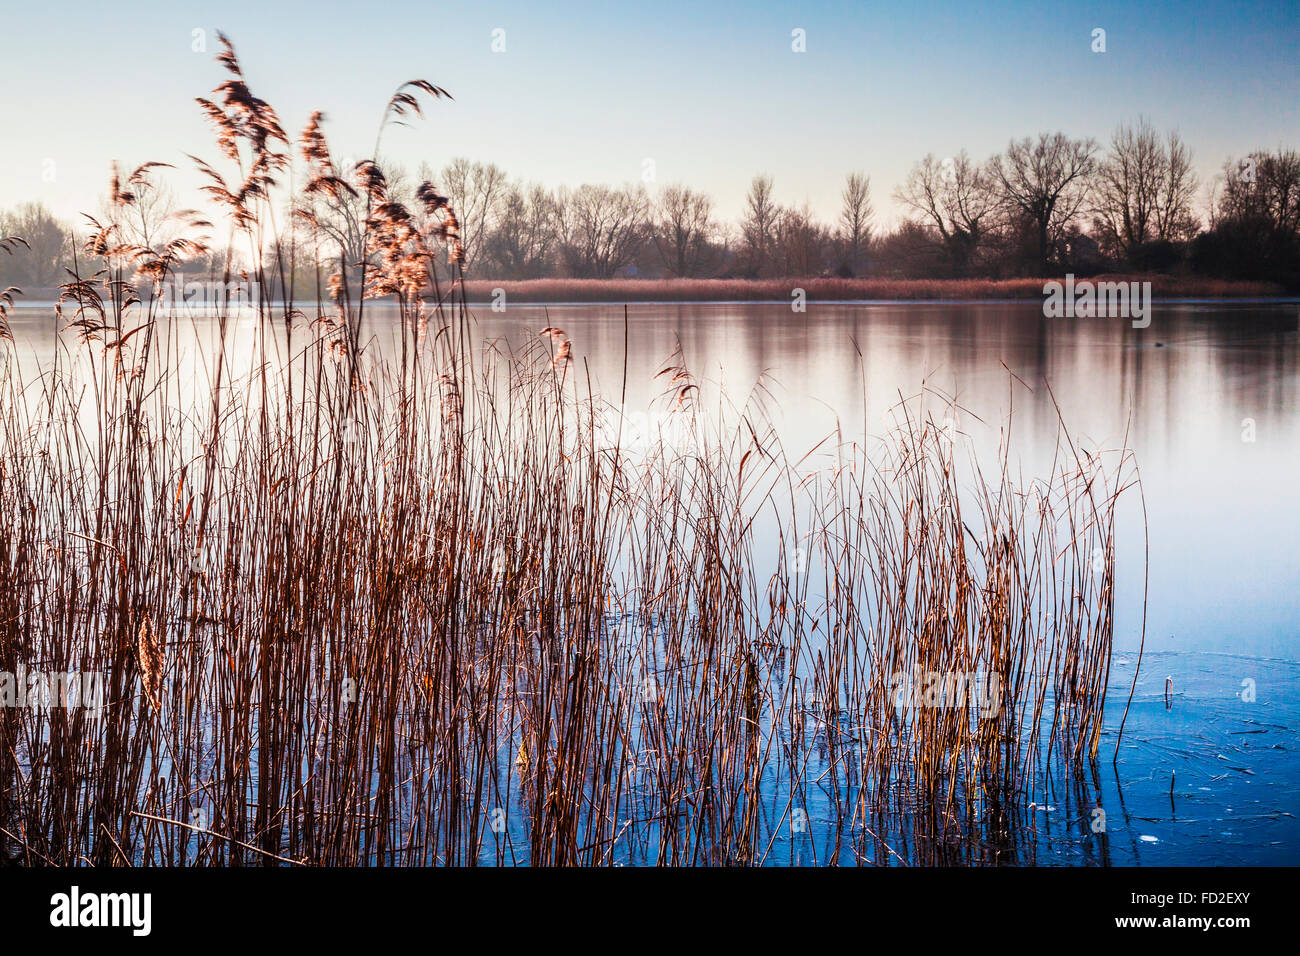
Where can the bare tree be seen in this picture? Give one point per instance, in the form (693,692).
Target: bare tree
(475,190)
(759,225)
(1175,219)
(683,220)
(1264,187)
(292,266)
(40,263)
(1144,188)
(334,233)
(1128,186)
(339,228)
(601,228)
(150,220)
(855,219)
(526,224)
(958,198)
(1047,180)
(801,243)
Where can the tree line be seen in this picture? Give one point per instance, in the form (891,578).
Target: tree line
(1046,205)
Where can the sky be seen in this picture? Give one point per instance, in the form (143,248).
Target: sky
(712,93)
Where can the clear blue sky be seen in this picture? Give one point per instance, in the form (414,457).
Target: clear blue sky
(587,90)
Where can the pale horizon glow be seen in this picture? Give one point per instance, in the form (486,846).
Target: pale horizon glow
(712,96)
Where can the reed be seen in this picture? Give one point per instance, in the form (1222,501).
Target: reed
(429,606)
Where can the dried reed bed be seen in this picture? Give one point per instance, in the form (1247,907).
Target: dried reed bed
(430,608)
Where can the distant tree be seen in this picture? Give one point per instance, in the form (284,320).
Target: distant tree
(855,220)
(683,221)
(958,199)
(1047,180)
(520,244)
(802,244)
(1264,186)
(336,219)
(475,190)
(1144,190)
(1175,219)
(909,252)
(1254,220)
(148,221)
(601,228)
(48,252)
(758,228)
(292,267)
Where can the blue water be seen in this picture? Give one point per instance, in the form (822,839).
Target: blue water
(1207,398)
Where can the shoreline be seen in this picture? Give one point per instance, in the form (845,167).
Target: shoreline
(845,291)
(568,292)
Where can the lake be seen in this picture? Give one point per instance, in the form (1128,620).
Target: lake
(1208,399)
